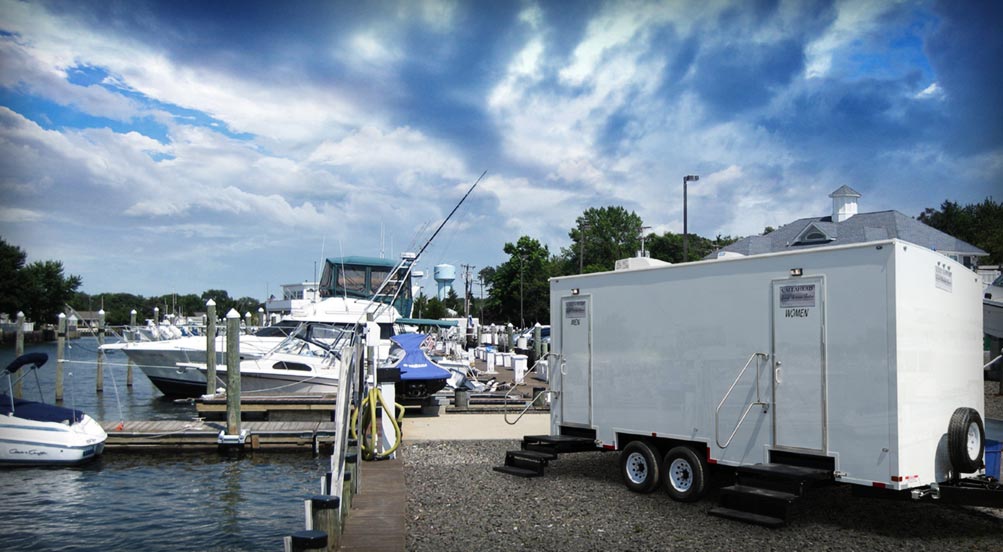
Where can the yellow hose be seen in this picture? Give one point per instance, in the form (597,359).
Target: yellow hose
(373,400)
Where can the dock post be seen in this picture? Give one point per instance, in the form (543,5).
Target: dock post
(323,510)
(304,541)
(128,365)
(510,344)
(346,496)
(60,350)
(99,379)
(232,373)
(18,351)
(210,348)
(156,323)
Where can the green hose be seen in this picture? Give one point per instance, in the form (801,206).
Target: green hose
(369,407)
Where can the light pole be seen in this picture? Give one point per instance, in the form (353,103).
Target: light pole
(686,247)
(581,247)
(522,268)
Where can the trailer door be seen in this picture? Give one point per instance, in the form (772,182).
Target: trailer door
(799,364)
(576,361)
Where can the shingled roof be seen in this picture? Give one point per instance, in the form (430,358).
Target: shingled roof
(862,227)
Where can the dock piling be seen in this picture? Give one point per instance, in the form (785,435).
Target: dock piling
(18,351)
(304,541)
(99,377)
(60,351)
(322,513)
(210,348)
(233,373)
(128,365)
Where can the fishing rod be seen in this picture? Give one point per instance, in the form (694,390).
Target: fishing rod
(420,251)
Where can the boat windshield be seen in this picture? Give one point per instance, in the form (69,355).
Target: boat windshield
(312,339)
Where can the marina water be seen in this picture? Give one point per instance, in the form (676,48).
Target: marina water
(158,500)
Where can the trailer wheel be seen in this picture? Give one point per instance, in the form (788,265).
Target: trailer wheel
(641,468)
(685,474)
(966,440)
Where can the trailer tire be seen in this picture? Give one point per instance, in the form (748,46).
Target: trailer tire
(640,466)
(966,440)
(685,474)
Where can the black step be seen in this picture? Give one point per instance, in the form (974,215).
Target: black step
(558,443)
(782,477)
(757,500)
(533,454)
(528,459)
(748,517)
(517,471)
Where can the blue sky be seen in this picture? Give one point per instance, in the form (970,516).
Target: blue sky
(181,146)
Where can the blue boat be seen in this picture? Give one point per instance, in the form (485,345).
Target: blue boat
(420,378)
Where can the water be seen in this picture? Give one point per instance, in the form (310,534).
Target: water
(164,500)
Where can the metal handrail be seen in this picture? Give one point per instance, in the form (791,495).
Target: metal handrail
(538,395)
(717,411)
(991,362)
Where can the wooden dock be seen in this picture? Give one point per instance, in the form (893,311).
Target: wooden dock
(200,434)
(301,407)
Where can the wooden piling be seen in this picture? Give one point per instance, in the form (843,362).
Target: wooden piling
(232,373)
(156,323)
(510,345)
(60,351)
(324,517)
(99,378)
(346,496)
(18,351)
(304,541)
(128,367)
(210,348)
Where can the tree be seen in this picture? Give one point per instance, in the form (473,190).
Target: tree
(12,259)
(980,224)
(669,246)
(46,291)
(608,233)
(520,291)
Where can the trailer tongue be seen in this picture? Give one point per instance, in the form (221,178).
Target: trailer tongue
(856,364)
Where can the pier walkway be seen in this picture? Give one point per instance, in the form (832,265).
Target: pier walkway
(376,521)
(204,434)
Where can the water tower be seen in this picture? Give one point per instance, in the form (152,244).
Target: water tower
(444,276)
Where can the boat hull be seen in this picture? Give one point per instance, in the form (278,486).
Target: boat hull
(33,443)
(992,318)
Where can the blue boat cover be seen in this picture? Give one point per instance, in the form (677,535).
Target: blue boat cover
(416,365)
(40,412)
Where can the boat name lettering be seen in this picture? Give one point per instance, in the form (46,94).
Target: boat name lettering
(30,452)
(801,295)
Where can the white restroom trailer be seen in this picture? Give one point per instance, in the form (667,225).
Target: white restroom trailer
(853,358)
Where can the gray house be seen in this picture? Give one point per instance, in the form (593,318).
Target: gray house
(845,225)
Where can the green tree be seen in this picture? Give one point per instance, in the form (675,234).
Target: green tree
(520,291)
(12,259)
(46,290)
(607,233)
(980,224)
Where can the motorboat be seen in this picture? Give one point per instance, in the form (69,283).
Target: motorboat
(35,433)
(992,309)
(169,364)
(307,361)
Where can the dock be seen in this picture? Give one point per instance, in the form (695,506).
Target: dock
(201,434)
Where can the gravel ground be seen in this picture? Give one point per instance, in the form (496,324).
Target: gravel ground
(456,502)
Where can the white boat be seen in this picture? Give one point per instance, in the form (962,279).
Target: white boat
(992,309)
(34,433)
(169,364)
(308,361)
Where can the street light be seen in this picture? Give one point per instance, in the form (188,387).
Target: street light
(581,247)
(522,268)
(686,248)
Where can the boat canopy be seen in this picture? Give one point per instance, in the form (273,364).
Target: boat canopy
(39,412)
(416,365)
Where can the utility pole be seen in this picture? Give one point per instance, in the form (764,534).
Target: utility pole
(467,288)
